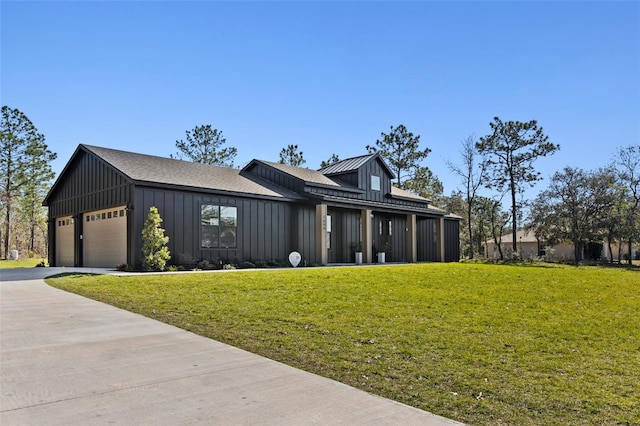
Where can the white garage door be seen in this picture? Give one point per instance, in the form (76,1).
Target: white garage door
(64,241)
(104,238)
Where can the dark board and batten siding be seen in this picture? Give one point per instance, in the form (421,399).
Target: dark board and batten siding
(276,176)
(263,231)
(452,240)
(427,243)
(303,238)
(345,234)
(349,179)
(374,168)
(89,185)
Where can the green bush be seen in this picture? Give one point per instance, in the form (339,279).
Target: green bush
(155,252)
(205,265)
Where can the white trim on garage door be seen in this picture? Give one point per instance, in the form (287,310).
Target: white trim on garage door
(64,241)
(104,239)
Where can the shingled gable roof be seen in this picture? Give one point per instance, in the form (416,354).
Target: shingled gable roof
(401,193)
(153,170)
(351,165)
(308,176)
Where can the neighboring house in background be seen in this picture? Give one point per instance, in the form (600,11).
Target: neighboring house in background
(530,247)
(620,251)
(98,205)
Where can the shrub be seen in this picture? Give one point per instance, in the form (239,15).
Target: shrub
(205,265)
(246,265)
(155,252)
(186,260)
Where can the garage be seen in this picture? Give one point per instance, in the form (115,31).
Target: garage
(104,239)
(64,241)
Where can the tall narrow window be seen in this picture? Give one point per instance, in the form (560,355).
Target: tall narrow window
(375,183)
(328,231)
(218,226)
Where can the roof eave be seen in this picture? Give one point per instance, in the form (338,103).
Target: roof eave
(200,189)
(378,206)
(340,188)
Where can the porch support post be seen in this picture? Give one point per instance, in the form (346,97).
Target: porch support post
(321,233)
(365,219)
(412,238)
(440,239)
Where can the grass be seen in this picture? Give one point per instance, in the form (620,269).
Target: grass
(30,263)
(483,344)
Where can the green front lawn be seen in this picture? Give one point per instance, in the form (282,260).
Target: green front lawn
(483,344)
(30,263)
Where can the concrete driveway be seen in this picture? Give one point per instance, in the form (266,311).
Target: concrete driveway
(68,360)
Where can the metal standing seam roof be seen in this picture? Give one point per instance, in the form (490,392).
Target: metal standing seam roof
(346,166)
(161,170)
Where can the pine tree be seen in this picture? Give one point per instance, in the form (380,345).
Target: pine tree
(24,167)
(401,150)
(291,156)
(155,252)
(204,144)
(511,150)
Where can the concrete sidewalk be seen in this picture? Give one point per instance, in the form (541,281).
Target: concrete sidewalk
(67,360)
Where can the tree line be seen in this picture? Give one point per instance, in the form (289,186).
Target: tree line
(581,207)
(25,167)
(494,170)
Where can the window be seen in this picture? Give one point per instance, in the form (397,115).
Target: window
(375,183)
(218,226)
(328,232)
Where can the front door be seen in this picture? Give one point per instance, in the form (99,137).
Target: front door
(383,234)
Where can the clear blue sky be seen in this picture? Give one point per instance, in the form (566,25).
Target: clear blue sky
(327,76)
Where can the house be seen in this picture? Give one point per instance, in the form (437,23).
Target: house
(99,203)
(530,247)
